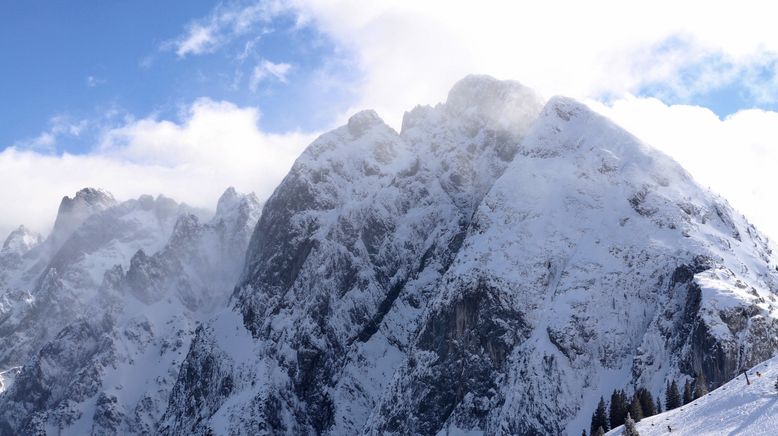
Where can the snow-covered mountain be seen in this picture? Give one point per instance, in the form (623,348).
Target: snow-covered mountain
(733,409)
(106,324)
(495,267)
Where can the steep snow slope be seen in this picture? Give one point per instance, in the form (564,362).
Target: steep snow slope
(109,370)
(735,408)
(493,268)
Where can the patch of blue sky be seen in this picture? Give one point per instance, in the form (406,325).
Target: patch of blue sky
(718,84)
(95,64)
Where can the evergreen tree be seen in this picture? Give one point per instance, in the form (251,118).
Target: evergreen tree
(672,396)
(599,418)
(599,432)
(700,386)
(583,433)
(618,408)
(776,384)
(634,408)
(688,395)
(629,427)
(646,402)
(658,405)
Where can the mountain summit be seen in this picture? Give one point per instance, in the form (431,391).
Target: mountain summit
(495,267)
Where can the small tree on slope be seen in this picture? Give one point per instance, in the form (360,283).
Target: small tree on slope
(629,427)
(634,408)
(618,408)
(646,402)
(672,396)
(600,417)
(688,395)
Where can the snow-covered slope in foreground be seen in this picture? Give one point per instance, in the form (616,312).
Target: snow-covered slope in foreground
(736,408)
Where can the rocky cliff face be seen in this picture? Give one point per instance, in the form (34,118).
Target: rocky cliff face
(496,266)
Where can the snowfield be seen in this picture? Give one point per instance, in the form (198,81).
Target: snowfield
(733,409)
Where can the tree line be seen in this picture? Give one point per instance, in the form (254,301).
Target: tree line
(642,404)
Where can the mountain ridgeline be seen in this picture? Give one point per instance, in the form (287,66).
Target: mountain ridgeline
(496,267)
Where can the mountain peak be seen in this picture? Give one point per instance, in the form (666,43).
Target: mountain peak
(20,241)
(501,104)
(73,211)
(228,200)
(362,121)
(234,206)
(94,195)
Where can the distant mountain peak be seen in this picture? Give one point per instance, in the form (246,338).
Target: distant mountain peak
(20,241)
(499,104)
(73,211)
(362,121)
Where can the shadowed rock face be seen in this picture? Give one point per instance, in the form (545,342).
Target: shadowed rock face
(470,339)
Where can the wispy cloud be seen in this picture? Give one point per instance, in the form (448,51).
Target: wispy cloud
(199,39)
(93,81)
(225,23)
(59,126)
(267,69)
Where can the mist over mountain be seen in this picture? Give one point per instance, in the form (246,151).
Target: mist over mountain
(495,267)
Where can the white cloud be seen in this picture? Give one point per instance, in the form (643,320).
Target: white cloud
(92,81)
(411,51)
(267,69)
(59,126)
(225,23)
(216,145)
(199,39)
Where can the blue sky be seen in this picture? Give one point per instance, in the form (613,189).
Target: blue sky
(186,98)
(101,62)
